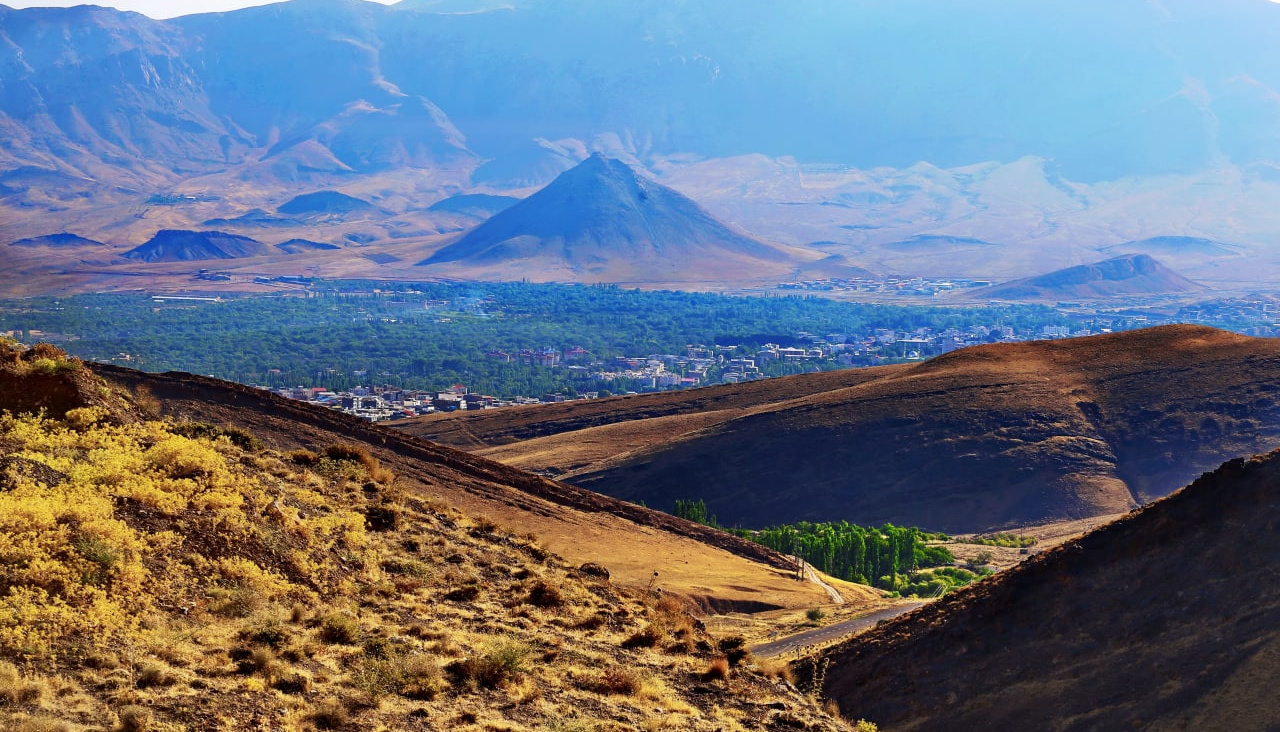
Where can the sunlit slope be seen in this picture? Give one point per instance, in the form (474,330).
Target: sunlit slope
(710,568)
(1167,619)
(162,574)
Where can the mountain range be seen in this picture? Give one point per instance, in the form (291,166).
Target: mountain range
(118,126)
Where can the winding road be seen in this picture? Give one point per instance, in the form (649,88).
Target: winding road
(832,632)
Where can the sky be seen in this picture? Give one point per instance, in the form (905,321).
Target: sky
(157,9)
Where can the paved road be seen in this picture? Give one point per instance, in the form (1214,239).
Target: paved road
(832,632)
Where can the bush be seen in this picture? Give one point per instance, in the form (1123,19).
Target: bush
(153,674)
(16,691)
(545,594)
(503,662)
(339,628)
(647,637)
(329,714)
(734,649)
(133,718)
(718,670)
(616,680)
(815,614)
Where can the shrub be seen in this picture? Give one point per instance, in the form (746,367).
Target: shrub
(15,690)
(734,648)
(153,674)
(421,678)
(615,680)
(339,628)
(503,662)
(133,718)
(718,670)
(329,714)
(647,637)
(545,594)
(815,614)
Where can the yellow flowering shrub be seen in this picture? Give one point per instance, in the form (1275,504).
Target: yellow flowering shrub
(145,519)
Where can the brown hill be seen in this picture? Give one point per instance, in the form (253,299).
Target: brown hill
(1128,274)
(980,438)
(710,568)
(1167,619)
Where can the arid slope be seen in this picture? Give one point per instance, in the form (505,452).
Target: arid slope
(711,568)
(1167,619)
(979,438)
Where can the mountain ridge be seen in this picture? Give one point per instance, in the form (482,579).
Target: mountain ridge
(976,439)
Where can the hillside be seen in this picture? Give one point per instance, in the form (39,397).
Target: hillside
(601,219)
(1164,620)
(984,437)
(632,541)
(170,245)
(167,575)
(1126,275)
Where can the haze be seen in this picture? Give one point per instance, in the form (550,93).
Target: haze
(160,9)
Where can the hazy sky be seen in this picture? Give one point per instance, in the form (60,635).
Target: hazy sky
(155,8)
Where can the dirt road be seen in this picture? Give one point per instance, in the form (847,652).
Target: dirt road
(832,632)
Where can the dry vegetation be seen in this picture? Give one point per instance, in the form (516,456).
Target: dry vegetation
(160,576)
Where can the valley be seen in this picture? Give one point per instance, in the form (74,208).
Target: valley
(595,366)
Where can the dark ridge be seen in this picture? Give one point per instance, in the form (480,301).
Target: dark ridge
(1165,619)
(325,202)
(294,246)
(480,205)
(63,239)
(176,245)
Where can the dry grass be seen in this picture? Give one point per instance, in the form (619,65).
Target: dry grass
(230,581)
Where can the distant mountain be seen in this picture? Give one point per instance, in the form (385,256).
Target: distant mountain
(325,202)
(870,143)
(256,218)
(1163,620)
(63,239)
(173,245)
(601,218)
(1175,246)
(979,438)
(934,244)
(1130,274)
(296,246)
(371,88)
(479,205)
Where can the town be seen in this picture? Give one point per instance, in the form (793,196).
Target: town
(699,365)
